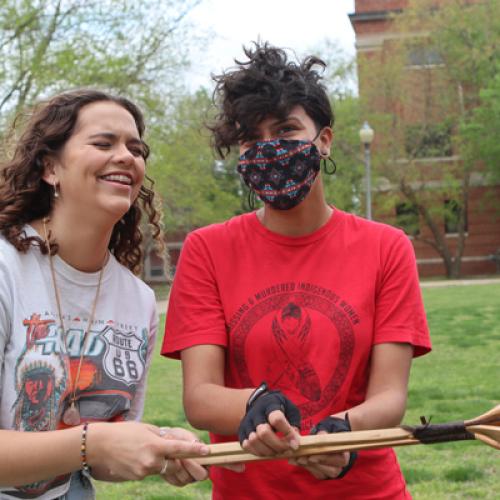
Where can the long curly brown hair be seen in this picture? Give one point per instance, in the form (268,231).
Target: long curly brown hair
(25,196)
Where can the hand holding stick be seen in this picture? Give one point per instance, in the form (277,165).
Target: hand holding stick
(485,428)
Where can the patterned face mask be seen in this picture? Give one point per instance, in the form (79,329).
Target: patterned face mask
(281,172)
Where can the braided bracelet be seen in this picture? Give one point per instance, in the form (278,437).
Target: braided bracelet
(83,448)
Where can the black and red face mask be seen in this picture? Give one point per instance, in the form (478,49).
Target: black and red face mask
(280,171)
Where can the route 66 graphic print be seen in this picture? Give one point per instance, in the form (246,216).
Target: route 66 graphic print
(124,357)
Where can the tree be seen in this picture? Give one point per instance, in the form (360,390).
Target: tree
(425,93)
(137,48)
(344,189)
(481,132)
(196,188)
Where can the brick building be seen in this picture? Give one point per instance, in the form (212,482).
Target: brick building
(375,38)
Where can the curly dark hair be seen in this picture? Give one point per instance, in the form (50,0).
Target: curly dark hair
(268,84)
(25,197)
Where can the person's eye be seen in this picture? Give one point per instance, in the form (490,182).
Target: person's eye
(136,150)
(102,145)
(287,129)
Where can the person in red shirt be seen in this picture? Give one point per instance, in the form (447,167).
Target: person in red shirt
(297,317)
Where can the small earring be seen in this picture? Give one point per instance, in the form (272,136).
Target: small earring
(56,192)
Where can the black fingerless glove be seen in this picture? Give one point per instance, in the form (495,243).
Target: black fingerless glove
(332,425)
(260,404)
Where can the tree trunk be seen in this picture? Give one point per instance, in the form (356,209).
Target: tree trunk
(462,222)
(439,243)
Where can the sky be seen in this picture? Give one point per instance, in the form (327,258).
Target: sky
(301,25)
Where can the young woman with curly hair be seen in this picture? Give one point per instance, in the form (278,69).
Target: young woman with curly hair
(320,307)
(77,326)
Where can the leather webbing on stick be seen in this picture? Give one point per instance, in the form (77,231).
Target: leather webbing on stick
(439,433)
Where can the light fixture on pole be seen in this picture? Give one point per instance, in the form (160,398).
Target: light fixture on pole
(366,134)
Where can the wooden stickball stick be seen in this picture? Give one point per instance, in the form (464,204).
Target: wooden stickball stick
(485,428)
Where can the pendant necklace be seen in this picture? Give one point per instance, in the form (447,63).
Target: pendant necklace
(71,415)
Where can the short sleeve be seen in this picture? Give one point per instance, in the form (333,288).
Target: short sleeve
(195,315)
(137,406)
(399,309)
(6,305)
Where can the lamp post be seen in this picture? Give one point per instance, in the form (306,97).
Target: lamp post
(366,134)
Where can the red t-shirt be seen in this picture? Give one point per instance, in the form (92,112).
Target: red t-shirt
(301,313)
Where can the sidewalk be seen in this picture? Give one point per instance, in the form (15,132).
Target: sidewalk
(161,305)
(442,283)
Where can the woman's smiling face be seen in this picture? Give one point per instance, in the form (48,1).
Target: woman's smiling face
(100,169)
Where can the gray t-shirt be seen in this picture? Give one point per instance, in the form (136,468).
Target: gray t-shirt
(34,382)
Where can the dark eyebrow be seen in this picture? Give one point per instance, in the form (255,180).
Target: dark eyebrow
(113,137)
(288,119)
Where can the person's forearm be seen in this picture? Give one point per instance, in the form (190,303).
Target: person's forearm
(215,408)
(379,411)
(28,457)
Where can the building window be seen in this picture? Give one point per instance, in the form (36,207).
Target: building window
(452,215)
(428,141)
(156,272)
(407,218)
(424,56)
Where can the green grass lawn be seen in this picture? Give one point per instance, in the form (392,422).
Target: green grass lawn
(458,380)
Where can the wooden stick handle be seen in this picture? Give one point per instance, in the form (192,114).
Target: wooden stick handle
(305,451)
(226,453)
(222,453)
(340,439)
